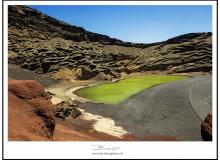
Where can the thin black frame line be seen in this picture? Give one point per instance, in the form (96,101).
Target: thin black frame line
(2,80)
(119,0)
(217,77)
(98,0)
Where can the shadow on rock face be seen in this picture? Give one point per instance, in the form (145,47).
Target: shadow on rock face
(206,128)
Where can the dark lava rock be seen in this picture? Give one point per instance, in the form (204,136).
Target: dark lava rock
(45,45)
(85,73)
(66,109)
(206,128)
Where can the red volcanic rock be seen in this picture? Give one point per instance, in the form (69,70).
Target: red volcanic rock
(206,128)
(25,89)
(30,113)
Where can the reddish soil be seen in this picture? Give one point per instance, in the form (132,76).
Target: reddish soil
(63,133)
(30,113)
(81,130)
(31,118)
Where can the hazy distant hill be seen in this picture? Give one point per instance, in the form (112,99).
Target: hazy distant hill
(45,45)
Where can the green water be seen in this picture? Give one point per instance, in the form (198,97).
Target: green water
(114,93)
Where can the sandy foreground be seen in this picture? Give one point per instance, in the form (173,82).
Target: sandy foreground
(101,124)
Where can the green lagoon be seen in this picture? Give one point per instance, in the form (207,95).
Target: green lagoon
(114,93)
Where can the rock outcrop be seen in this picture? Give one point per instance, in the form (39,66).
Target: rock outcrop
(206,128)
(48,46)
(66,109)
(31,117)
(30,112)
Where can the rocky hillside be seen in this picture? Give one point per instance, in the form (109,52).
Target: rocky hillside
(48,46)
(30,112)
(31,117)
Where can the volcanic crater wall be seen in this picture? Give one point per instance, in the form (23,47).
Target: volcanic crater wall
(45,45)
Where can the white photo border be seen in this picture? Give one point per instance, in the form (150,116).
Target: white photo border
(81,150)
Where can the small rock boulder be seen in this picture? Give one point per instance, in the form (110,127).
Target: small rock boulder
(66,109)
(85,73)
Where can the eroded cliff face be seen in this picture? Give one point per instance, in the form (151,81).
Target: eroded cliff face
(48,46)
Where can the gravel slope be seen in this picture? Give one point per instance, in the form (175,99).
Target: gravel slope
(15,72)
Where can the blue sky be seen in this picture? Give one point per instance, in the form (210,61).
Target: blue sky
(144,24)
